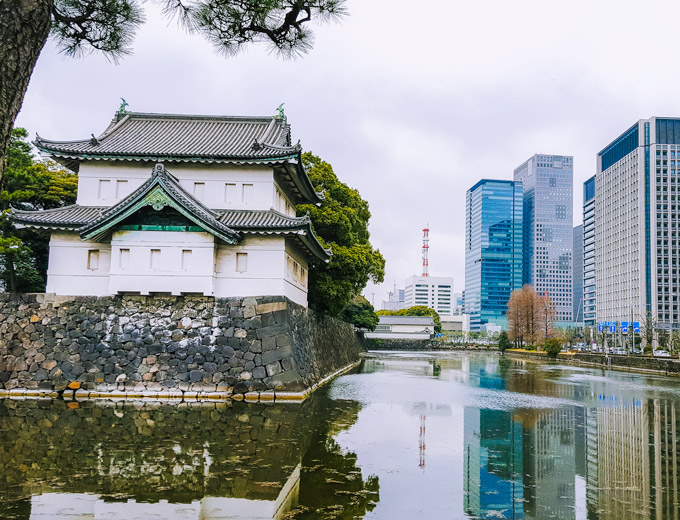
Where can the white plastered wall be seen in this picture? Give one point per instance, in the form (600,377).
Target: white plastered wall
(129,265)
(68,272)
(102,183)
(296,276)
(162,262)
(265,273)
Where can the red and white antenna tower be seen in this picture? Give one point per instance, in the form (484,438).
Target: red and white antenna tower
(426,250)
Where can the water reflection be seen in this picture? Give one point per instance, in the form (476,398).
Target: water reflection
(206,461)
(617,460)
(408,436)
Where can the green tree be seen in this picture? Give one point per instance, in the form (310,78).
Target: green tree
(417,310)
(341,223)
(504,342)
(33,185)
(360,313)
(109,26)
(553,346)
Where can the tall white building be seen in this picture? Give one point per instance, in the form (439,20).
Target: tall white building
(548,228)
(637,229)
(431,291)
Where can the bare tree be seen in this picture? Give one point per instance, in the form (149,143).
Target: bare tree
(545,317)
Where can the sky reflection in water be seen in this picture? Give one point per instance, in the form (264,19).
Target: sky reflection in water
(406,436)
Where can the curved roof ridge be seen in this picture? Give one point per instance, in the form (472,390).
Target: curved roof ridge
(154,115)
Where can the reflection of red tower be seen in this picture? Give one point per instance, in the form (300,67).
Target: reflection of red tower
(421,442)
(426,249)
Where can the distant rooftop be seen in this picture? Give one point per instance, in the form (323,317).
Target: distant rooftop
(406,320)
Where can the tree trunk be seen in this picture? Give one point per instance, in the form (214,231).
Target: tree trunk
(24,28)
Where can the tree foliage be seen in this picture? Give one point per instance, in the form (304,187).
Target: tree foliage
(360,313)
(417,310)
(531,317)
(108,26)
(32,185)
(341,223)
(553,346)
(503,341)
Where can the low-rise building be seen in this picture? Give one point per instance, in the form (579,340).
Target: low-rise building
(403,327)
(456,323)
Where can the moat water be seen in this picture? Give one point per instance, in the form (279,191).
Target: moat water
(406,436)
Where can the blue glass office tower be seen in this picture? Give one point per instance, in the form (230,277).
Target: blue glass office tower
(493,250)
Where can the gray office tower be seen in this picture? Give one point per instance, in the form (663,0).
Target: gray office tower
(578,274)
(548,227)
(637,235)
(588,252)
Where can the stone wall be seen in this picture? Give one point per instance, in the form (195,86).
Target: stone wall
(655,364)
(617,362)
(169,347)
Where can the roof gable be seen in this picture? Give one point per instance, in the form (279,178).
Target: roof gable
(160,191)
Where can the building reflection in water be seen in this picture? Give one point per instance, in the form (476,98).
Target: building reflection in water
(208,461)
(611,458)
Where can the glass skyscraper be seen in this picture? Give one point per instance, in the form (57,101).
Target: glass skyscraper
(493,250)
(548,227)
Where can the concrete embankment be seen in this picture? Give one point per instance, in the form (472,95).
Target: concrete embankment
(128,347)
(663,366)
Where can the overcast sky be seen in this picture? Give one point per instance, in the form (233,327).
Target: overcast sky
(410,105)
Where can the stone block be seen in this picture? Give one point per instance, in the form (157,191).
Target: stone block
(274,368)
(272,330)
(264,308)
(276,355)
(283,340)
(252,397)
(288,381)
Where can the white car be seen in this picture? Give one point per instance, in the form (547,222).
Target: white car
(662,353)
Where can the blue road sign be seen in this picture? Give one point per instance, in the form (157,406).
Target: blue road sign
(612,326)
(636,326)
(600,326)
(624,327)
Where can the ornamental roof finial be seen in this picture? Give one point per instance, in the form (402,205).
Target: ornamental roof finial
(281,114)
(123,107)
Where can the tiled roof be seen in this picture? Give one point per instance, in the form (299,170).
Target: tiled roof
(255,220)
(136,136)
(73,216)
(94,223)
(183,137)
